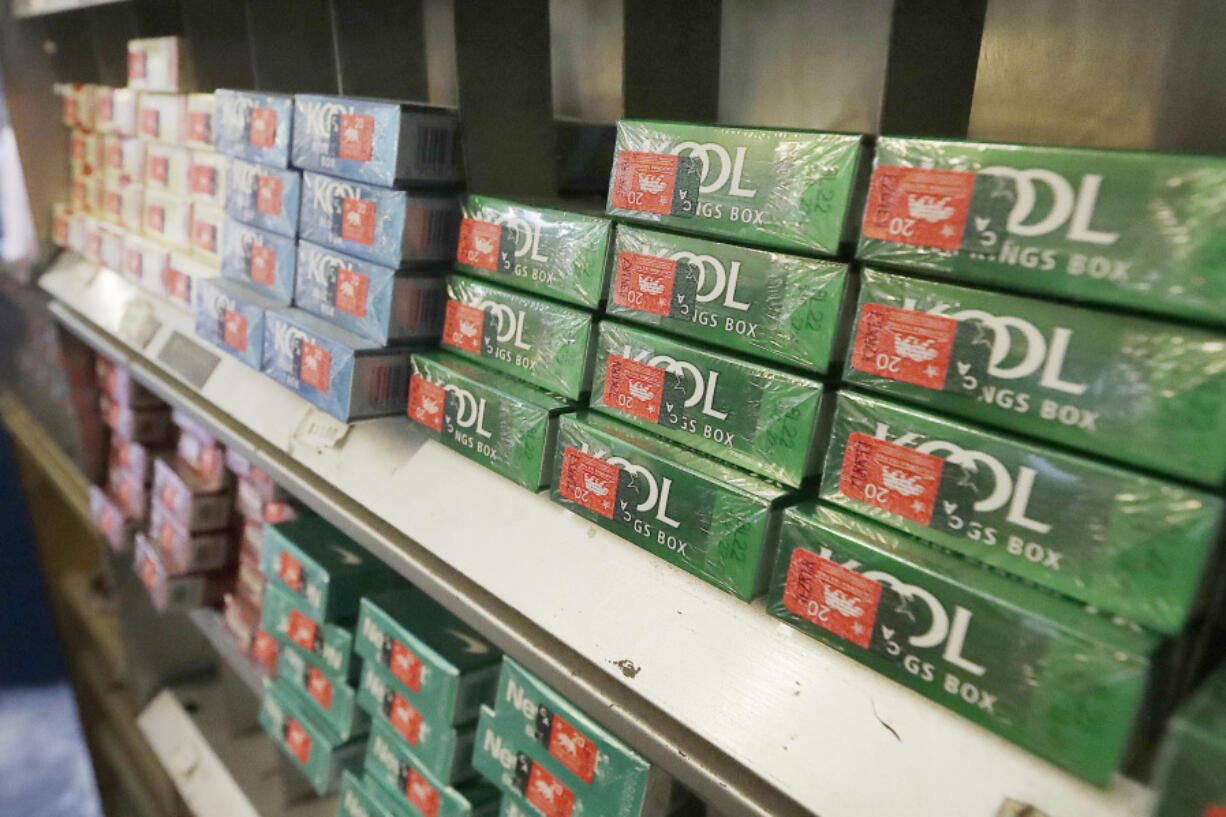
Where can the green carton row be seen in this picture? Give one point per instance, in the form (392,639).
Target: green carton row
(327,646)
(336,702)
(318,752)
(391,764)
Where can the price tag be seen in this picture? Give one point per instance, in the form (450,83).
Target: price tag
(188,359)
(138,323)
(320,431)
(1013,808)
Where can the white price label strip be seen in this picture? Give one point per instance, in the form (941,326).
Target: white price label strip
(320,431)
(138,323)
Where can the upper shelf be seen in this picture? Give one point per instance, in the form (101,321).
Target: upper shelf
(37,8)
(751,714)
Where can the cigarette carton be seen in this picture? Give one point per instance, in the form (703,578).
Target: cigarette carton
(1146,393)
(1056,679)
(188,552)
(535,339)
(1136,229)
(357,801)
(376,141)
(159,64)
(746,414)
(171,590)
(242,620)
(607,771)
(1126,543)
(117,527)
(339,372)
(1189,777)
(231,317)
(115,110)
(322,566)
(181,270)
(260,259)
(116,382)
(162,117)
(124,160)
(144,425)
(335,702)
(391,765)
(755,302)
(255,505)
(168,219)
(187,500)
(319,753)
(86,153)
(129,492)
(382,225)
(379,303)
(201,113)
(144,260)
(206,177)
(87,197)
(254,126)
(134,458)
(707,518)
(439,664)
(112,203)
(502,423)
(249,583)
(110,246)
(263,196)
(544,251)
(787,189)
(446,751)
(327,646)
(166,168)
(208,224)
(125,206)
(62,219)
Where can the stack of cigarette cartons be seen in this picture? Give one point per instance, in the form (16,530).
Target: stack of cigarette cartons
(1190,779)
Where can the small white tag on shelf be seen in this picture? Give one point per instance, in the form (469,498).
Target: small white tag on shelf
(321,431)
(1012,808)
(138,323)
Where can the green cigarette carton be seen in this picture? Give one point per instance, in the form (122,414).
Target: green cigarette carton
(335,702)
(1127,543)
(784,308)
(1145,393)
(535,339)
(1191,775)
(321,565)
(792,190)
(746,414)
(493,419)
(445,750)
(532,710)
(443,667)
(707,518)
(329,646)
(391,765)
(318,752)
(545,251)
(1037,669)
(1139,230)
(356,800)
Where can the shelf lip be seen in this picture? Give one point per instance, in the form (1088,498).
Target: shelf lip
(25,9)
(761,718)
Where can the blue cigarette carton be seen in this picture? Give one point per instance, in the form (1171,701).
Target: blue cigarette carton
(254,126)
(263,196)
(260,259)
(231,317)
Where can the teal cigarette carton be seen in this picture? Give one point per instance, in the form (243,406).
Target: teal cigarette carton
(393,766)
(336,703)
(318,752)
(329,646)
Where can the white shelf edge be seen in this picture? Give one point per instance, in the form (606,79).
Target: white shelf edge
(761,719)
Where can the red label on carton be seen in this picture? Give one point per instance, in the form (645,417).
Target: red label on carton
(235,332)
(478,244)
(358,221)
(159,169)
(351,289)
(132,263)
(149,122)
(316,366)
(644,182)
(113,202)
(136,65)
(633,387)
(904,345)
(114,156)
(264,648)
(893,477)
(198,127)
(589,481)
(1215,811)
(405,718)
(148,573)
(298,741)
(644,282)
(205,236)
(302,630)
(548,793)
(406,666)
(462,326)
(167,537)
(290,571)
(155,217)
(832,596)
(263,127)
(263,264)
(574,749)
(357,137)
(320,688)
(175,285)
(202,180)
(924,207)
(77,148)
(268,195)
(426,401)
(421,794)
(169,496)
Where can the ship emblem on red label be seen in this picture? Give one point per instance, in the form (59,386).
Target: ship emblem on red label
(478,244)
(462,327)
(405,718)
(644,282)
(263,127)
(316,365)
(644,182)
(426,401)
(358,221)
(268,195)
(263,264)
(406,666)
(235,331)
(548,794)
(351,289)
(320,688)
(633,387)
(298,741)
(302,630)
(589,481)
(895,478)
(576,751)
(357,137)
(832,596)
(421,794)
(924,207)
(904,345)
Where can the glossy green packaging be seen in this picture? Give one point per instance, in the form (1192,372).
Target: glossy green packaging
(391,764)
(1142,392)
(328,646)
(335,702)
(707,518)
(1191,775)
(1037,669)
(1140,230)
(793,190)
(494,419)
(318,752)
(548,252)
(535,339)
(764,420)
(784,308)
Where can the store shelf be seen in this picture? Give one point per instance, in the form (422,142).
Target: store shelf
(37,8)
(210,623)
(754,716)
